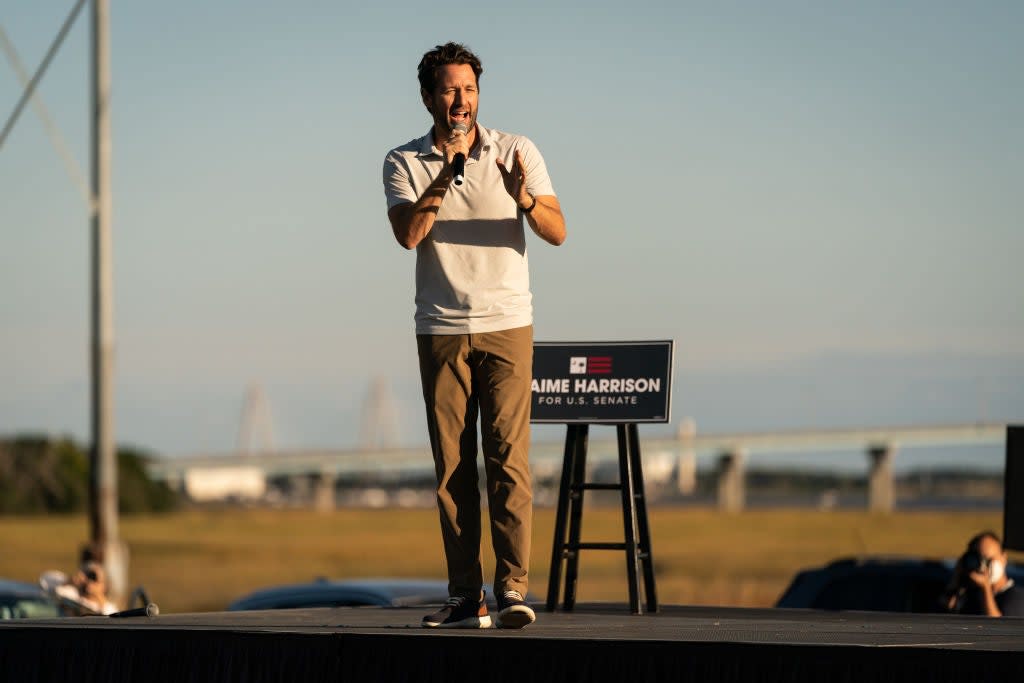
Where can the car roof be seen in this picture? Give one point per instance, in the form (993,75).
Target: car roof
(808,583)
(20,589)
(892,561)
(909,562)
(392,592)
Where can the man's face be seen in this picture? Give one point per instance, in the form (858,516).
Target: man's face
(455,98)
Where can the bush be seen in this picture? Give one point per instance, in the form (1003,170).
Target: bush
(40,475)
(136,492)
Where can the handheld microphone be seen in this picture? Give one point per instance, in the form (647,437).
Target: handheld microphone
(459,160)
(150,610)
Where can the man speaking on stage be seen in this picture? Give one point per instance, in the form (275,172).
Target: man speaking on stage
(458,195)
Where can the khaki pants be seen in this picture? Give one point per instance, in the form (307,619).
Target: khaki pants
(489,374)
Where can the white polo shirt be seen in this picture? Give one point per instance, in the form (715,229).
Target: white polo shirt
(472,272)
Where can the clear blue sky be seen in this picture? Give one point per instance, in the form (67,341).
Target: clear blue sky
(820,202)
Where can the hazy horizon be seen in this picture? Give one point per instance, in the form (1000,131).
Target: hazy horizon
(821,206)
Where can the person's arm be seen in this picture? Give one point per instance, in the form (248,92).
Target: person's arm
(988,596)
(545,218)
(412,222)
(991,607)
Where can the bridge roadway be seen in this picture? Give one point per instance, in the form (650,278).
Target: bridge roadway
(355,461)
(879,443)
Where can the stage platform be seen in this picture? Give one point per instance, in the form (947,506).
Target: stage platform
(593,643)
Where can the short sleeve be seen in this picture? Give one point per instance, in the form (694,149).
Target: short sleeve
(397,186)
(537,178)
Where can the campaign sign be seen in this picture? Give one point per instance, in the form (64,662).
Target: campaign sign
(602,382)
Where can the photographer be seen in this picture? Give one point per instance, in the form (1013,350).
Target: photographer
(980,584)
(83,593)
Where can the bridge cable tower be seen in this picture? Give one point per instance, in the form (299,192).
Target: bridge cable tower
(256,431)
(379,425)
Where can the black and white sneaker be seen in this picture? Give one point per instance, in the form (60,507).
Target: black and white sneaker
(513,611)
(459,613)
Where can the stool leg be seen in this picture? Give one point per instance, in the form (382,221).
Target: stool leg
(629,519)
(561,515)
(579,477)
(646,556)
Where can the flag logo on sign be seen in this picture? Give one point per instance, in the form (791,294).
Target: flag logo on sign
(590,365)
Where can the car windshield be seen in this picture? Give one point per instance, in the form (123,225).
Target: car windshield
(27,608)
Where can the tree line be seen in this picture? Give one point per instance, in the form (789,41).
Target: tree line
(40,474)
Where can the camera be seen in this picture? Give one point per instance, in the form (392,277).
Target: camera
(972,561)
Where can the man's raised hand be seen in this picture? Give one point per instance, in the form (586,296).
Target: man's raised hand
(515,180)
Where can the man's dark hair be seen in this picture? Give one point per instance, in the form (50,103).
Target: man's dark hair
(975,542)
(442,55)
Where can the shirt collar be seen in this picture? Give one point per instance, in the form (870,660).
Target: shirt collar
(485,143)
(427,145)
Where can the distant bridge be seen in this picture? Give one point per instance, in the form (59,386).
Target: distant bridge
(324,467)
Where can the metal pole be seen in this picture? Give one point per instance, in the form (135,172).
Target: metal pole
(881,492)
(103,477)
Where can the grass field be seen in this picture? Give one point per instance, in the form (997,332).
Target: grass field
(200,560)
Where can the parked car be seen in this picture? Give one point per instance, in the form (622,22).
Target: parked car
(25,601)
(349,593)
(877,584)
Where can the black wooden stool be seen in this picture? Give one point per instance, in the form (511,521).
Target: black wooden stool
(637,543)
